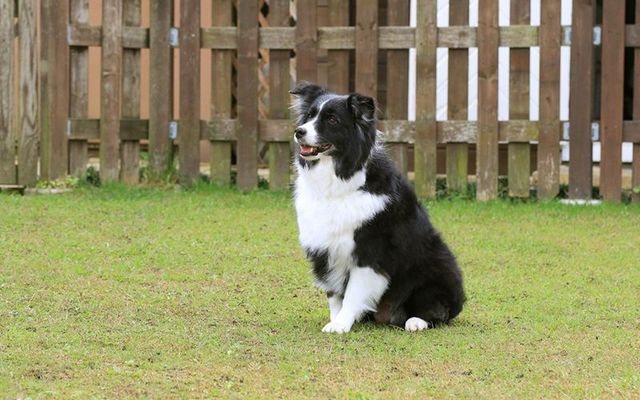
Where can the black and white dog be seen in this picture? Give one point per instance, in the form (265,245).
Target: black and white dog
(370,241)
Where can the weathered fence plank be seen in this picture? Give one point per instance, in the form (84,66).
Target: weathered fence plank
(221,89)
(367,47)
(426,129)
(487,146)
(111,88)
(306,41)
(130,149)
(549,137)
(458,101)
(519,153)
(397,82)
(612,103)
(189,132)
(79,88)
(247,94)
(635,177)
(54,88)
(279,82)
(338,79)
(7,140)
(29,129)
(161,88)
(580,100)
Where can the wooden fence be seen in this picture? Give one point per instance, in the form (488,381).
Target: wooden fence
(339,43)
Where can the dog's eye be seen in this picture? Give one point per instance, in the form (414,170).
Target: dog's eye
(332,120)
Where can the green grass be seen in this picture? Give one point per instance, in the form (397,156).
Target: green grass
(127,293)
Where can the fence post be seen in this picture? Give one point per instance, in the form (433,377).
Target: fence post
(7,142)
(338,79)
(221,89)
(79,88)
(367,47)
(306,40)
(580,101)
(611,106)
(487,140)
(397,82)
(426,131)
(519,154)
(189,133)
(549,133)
(635,179)
(279,152)
(247,94)
(161,87)
(54,88)
(458,101)
(29,135)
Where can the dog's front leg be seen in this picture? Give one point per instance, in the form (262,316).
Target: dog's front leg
(335,304)
(364,289)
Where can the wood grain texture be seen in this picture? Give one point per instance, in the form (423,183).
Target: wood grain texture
(549,140)
(519,154)
(54,89)
(580,100)
(110,105)
(306,40)
(458,101)
(247,94)
(367,47)
(29,130)
(397,82)
(7,138)
(161,88)
(612,104)
(221,89)
(279,83)
(339,60)
(426,129)
(487,146)
(79,88)
(635,177)
(130,149)
(189,132)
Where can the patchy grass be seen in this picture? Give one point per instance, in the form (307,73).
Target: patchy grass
(125,293)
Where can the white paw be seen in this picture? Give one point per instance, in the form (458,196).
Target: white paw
(415,324)
(336,327)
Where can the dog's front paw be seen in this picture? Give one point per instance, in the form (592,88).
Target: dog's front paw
(416,324)
(336,327)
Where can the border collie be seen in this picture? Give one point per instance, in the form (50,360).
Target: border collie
(370,242)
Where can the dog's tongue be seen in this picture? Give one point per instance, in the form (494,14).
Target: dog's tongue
(306,149)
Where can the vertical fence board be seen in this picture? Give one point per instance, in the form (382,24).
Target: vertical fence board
(29,129)
(130,149)
(367,47)
(458,100)
(611,111)
(549,136)
(247,93)
(54,88)
(111,86)
(279,152)
(306,40)
(397,82)
(7,141)
(635,177)
(426,133)
(519,153)
(161,88)
(338,79)
(487,141)
(79,88)
(189,133)
(580,100)
(221,89)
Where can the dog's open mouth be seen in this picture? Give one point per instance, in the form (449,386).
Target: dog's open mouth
(314,150)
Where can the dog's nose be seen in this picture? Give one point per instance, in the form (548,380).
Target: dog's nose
(300,132)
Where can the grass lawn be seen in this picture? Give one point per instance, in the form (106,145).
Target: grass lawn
(118,293)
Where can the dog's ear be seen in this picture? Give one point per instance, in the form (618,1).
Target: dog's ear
(362,107)
(305,94)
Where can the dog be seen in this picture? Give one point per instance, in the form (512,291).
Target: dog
(371,245)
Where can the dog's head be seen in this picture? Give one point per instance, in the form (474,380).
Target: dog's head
(330,125)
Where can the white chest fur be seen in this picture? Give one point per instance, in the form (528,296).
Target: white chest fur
(329,211)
